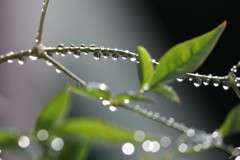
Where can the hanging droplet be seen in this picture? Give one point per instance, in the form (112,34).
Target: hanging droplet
(206,81)
(155,116)
(216,83)
(181,79)
(72,46)
(170,121)
(21,60)
(33,58)
(82,45)
(57,144)
(124,56)
(77,54)
(49,63)
(10,61)
(106,54)
(115,56)
(133,59)
(182,147)
(60,48)
(234,69)
(23,141)
(190,79)
(112,108)
(149,114)
(58,70)
(128,149)
(197,82)
(97,55)
(225,85)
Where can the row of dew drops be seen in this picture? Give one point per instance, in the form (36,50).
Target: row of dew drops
(197,81)
(98,53)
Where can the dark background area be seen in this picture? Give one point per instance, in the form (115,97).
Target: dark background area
(186,19)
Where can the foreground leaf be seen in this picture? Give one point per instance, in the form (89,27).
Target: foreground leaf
(93,93)
(8,141)
(54,112)
(94,131)
(231,124)
(145,67)
(167,92)
(186,57)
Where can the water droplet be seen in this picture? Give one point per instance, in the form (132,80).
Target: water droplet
(21,60)
(190,132)
(58,70)
(49,63)
(206,81)
(103,87)
(115,56)
(139,136)
(106,54)
(149,114)
(23,141)
(155,116)
(154,61)
(216,83)
(33,58)
(42,135)
(190,79)
(105,102)
(225,85)
(82,45)
(197,147)
(92,46)
(170,121)
(181,79)
(112,108)
(126,101)
(165,142)
(128,148)
(182,147)
(10,61)
(77,54)
(197,82)
(136,108)
(97,55)
(124,56)
(57,144)
(237,158)
(146,146)
(60,46)
(133,59)
(156,147)
(146,86)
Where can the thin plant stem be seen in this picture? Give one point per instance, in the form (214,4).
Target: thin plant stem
(38,39)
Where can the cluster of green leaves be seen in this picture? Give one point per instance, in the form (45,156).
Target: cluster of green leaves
(79,134)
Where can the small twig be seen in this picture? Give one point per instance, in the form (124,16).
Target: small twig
(63,68)
(38,39)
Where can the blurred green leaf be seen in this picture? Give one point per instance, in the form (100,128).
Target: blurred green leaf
(186,56)
(167,92)
(8,141)
(74,151)
(54,113)
(88,92)
(131,96)
(231,124)
(145,67)
(94,131)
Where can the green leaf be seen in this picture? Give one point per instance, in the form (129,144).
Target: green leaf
(145,67)
(54,113)
(186,56)
(131,96)
(94,131)
(231,124)
(167,92)
(8,141)
(89,92)
(74,151)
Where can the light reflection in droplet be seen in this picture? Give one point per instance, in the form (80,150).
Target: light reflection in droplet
(112,108)
(128,148)
(197,147)
(42,135)
(139,136)
(23,141)
(105,102)
(237,158)
(126,101)
(190,132)
(165,142)
(58,70)
(146,146)
(57,144)
(156,146)
(103,86)
(215,134)
(182,148)
(133,59)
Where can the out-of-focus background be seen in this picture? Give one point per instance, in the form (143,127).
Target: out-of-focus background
(155,24)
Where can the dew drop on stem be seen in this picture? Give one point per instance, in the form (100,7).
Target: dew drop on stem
(197,82)
(115,56)
(206,81)
(106,54)
(77,54)
(133,59)
(49,63)
(124,57)
(225,85)
(180,79)
(97,55)
(216,83)
(21,60)
(58,70)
